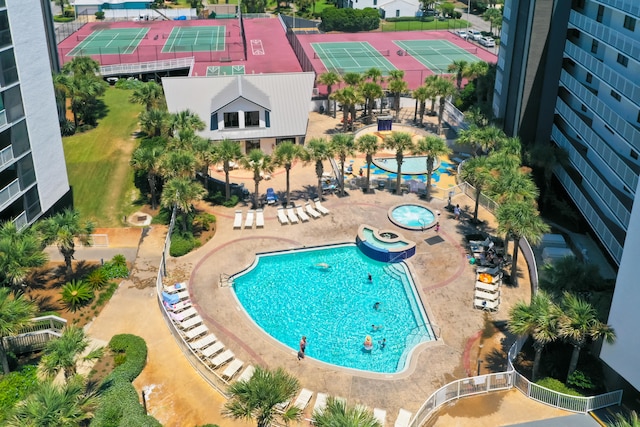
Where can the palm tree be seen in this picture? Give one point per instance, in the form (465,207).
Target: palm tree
(256,398)
(205,155)
(370,91)
(284,155)
(375,75)
(60,88)
(182,192)
(571,274)
(338,413)
(83,91)
(513,186)
(52,405)
(318,150)
(329,79)
(348,98)
(433,147)
(342,145)
(154,122)
(492,15)
(368,144)
(397,86)
(149,94)
(400,142)
(227,151)
(476,172)
(520,219)
(421,94)
(491,137)
(15,313)
(471,137)
(185,119)
(65,353)
(431,83)
(179,163)
(444,88)
(579,323)
(20,252)
(258,163)
(620,420)
(538,319)
(458,67)
(81,65)
(63,229)
(147,159)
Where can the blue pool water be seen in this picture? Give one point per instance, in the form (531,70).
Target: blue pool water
(412,216)
(289,295)
(411,165)
(371,238)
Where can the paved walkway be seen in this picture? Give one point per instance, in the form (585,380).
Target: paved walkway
(178,396)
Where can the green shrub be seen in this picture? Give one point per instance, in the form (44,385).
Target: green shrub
(205,219)
(119,359)
(116,268)
(182,243)
(119,260)
(63,19)
(16,386)
(581,380)
(99,15)
(97,279)
(350,20)
(106,294)
(559,386)
(119,404)
(76,294)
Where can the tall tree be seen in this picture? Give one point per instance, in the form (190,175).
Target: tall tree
(149,94)
(458,67)
(65,353)
(369,145)
(181,163)
(432,147)
(318,150)
(227,151)
(185,119)
(520,219)
(63,229)
(538,319)
(284,155)
(338,413)
(259,163)
(342,145)
(444,88)
(182,193)
(476,172)
(492,15)
(20,252)
(470,137)
(370,91)
(15,313)
(146,158)
(421,94)
(579,323)
(154,122)
(431,83)
(399,142)
(330,79)
(348,97)
(83,86)
(256,399)
(397,85)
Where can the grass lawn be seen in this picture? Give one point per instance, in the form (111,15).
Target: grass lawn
(450,24)
(98,163)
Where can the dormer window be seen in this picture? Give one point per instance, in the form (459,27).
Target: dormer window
(251,119)
(231,120)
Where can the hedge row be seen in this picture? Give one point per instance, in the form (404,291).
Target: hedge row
(119,404)
(350,20)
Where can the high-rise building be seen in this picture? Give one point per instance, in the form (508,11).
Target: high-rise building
(568,72)
(33,174)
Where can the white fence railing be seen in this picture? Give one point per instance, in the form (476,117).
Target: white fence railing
(35,335)
(9,192)
(146,67)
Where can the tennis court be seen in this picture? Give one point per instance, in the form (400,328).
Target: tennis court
(105,42)
(436,55)
(351,57)
(225,70)
(195,39)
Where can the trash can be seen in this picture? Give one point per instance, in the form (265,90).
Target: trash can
(381,185)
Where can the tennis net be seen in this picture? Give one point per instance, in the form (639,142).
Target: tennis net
(444,51)
(83,37)
(351,54)
(196,35)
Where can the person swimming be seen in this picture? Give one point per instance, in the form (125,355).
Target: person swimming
(323,265)
(368,343)
(376,327)
(376,306)
(383,343)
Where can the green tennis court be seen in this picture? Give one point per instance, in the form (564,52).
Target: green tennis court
(225,70)
(105,42)
(351,57)
(436,55)
(195,39)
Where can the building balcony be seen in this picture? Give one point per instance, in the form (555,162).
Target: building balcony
(8,193)
(606,35)
(631,7)
(6,156)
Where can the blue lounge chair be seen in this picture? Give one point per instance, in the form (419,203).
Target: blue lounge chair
(271,196)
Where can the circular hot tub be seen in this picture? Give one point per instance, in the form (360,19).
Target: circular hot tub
(412,216)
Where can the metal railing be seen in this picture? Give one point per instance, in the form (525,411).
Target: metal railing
(35,335)
(10,191)
(143,67)
(6,155)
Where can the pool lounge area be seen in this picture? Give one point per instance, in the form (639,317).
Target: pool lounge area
(384,245)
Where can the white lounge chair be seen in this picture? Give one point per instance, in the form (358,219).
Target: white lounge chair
(259,218)
(232,369)
(380,415)
(404,417)
(489,296)
(282,217)
(182,295)
(282,405)
(247,373)
(190,323)
(483,304)
(237,220)
(303,399)
(293,219)
(203,342)
(303,216)
(321,402)
(178,307)
(248,223)
(212,350)
(184,315)
(196,332)
(320,208)
(311,211)
(221,358)
(178,287)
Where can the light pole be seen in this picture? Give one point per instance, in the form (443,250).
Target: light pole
(468,12)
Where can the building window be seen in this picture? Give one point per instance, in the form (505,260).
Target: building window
(397,13)
(600,13)
(589,77)
(594,46)
(615,95)
(252,144)
(578,4)
(583,108)
(231,120)
(629,23)
(251,119)
(634,154)
(267,119)
(622,60)
(213,125)
(375,2)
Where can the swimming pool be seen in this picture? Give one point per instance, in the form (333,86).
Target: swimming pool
(412,216)
(370,236)
(384,245)
(289,294)
(411,165)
